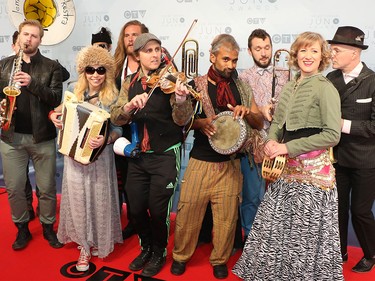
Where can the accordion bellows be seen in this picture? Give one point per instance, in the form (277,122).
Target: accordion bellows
(81,121)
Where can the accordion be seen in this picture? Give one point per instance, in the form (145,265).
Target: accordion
(81,121)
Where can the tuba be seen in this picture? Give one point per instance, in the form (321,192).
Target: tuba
(11,91)
(190,58)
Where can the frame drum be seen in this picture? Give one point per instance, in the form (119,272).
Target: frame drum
(230,134)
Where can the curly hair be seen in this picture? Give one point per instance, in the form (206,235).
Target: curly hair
(90,56)
(306,39)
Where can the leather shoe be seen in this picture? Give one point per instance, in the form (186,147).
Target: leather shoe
(50,235)
(31,214)
(220,271)
(344,257)
(364,265)
(139,262)
(178,268)
(154,266)
(128,231)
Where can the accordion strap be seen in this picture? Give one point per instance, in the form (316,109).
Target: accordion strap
(87,97)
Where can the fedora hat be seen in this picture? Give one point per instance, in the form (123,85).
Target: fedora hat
(349,35)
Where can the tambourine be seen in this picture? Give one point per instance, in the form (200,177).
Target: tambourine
(272,168)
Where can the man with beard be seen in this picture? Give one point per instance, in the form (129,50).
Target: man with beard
(211,177)
(31,133)
(260,77)
(125,60)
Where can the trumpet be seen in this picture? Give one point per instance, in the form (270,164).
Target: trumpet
(11,91)
(190,58)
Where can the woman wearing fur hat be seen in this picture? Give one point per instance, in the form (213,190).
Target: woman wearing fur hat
(89,213)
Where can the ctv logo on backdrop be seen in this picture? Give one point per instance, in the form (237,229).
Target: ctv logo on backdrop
(284,38)
(135,14)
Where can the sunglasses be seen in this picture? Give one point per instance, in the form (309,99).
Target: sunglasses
(104,46)
(100,70)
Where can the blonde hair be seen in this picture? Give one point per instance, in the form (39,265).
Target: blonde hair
(306,39)
(90,56)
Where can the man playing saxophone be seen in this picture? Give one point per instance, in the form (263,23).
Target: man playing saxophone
(31,134)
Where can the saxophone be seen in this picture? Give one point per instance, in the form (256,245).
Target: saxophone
(11,91)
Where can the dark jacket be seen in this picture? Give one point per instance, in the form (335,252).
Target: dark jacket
(357,149)
(157,116)
(46,93)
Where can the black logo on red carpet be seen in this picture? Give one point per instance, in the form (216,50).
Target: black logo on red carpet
(102,274)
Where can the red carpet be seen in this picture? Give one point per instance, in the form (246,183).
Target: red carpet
(41,262)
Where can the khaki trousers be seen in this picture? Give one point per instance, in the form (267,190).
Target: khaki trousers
(220,184)
(15,159)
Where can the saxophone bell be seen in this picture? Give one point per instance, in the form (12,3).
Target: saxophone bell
(11,91)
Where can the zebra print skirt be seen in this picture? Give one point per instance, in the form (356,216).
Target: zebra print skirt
(295,236)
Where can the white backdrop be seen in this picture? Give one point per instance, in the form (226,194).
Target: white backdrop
(170,20)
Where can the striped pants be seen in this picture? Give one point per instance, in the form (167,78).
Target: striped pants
(220,184)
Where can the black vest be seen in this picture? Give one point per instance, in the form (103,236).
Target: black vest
(157,116)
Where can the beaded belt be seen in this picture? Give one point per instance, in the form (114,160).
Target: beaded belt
(313,168)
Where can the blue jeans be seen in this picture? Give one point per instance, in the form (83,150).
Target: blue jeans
(252,192)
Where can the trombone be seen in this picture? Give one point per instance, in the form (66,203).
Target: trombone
(276,60)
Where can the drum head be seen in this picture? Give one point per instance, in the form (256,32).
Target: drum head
(230,134)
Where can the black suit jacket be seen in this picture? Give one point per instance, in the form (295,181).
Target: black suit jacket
(357,149)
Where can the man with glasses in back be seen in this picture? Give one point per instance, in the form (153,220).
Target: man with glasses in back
(355,153)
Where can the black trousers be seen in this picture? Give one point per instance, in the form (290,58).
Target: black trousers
(150,187)
(356,193)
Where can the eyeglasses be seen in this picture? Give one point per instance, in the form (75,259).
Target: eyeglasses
(100,70)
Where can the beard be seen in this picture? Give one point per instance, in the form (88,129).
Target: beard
(259,64)
(30,50)
(226,73)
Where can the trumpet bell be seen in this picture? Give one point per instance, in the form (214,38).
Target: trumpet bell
(12,91)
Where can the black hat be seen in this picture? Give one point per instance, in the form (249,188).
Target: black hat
(349,35)
(102,36)
(143,39)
